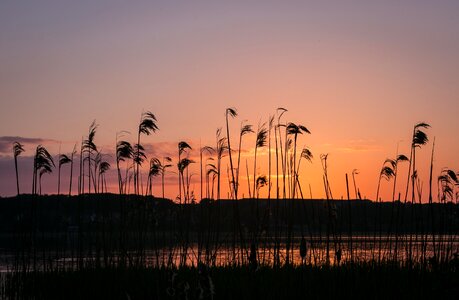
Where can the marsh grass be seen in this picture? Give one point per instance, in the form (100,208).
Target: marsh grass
(120,246)
(131,246)
(363,280)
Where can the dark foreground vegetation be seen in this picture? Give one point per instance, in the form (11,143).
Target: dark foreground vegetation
(136,246)
(351,281)
(106,246)
(57,214)
(40,232)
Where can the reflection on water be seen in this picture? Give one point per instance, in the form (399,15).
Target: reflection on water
(319,251)
(363,250)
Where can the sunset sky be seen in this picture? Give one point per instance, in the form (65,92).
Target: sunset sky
(358,75)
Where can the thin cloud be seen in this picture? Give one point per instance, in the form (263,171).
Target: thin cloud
(6,142)
(360,146)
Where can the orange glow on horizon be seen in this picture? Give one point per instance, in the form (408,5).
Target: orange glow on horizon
(359,77)
(366,159)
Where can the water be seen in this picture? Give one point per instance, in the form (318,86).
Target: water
(364,249)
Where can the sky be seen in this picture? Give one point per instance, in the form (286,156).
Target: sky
(358,74)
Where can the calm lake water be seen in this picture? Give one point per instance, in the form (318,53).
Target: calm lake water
(364,248)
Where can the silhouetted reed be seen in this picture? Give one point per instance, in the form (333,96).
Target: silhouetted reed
(209,241)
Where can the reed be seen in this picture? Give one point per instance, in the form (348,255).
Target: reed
(208,247)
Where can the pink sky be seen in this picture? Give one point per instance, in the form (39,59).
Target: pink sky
(357,75)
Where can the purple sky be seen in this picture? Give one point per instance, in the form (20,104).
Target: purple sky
(358,74)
